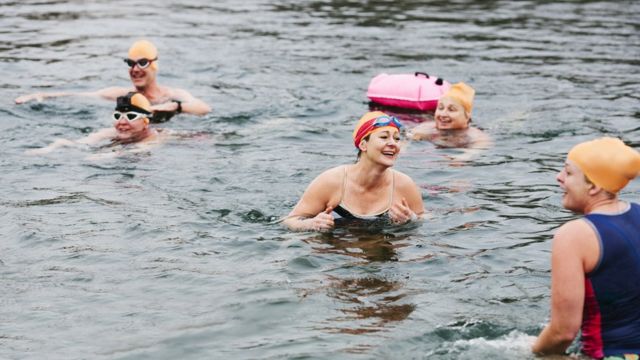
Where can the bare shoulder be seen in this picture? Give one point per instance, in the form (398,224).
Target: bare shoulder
(330,179)
(575,234)
(403,180)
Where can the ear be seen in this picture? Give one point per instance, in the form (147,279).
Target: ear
(594,189)
(363,145)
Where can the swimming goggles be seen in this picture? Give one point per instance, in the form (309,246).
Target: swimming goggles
(129,115)
(386,120)
(142,63)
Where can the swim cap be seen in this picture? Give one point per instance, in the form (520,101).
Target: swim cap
(366,126)
(133,101)
(607,162)
(463,94)
(144,49)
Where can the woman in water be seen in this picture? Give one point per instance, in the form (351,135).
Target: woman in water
(131,125)
(451,126)
(368,190)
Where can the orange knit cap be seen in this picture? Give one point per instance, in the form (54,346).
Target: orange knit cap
(365,126)
(463,94)
(144,49)
(607,162)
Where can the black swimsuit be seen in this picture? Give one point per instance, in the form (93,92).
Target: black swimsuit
(161,116)
(342,211)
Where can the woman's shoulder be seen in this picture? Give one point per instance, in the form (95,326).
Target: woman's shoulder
(332,174)
(402,179)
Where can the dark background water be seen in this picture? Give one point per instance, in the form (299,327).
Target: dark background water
(175,253)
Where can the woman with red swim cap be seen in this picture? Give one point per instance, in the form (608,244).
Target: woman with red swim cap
(368,190)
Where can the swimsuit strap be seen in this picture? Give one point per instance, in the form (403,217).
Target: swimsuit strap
(393,188)
(344,185)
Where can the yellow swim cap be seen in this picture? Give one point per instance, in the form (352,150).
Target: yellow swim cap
(463,94)
(607,162)
(144,49)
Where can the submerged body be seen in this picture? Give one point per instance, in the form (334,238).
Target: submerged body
(131,126)
(451,128)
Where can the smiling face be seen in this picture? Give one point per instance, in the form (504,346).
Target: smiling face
(450,114)
(130,130)
(141,78)
(383,146)
(575,186)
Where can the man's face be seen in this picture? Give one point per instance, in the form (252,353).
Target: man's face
(142,71)
(575,186)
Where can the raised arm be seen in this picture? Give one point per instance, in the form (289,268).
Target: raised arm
(189,104)
(110,93)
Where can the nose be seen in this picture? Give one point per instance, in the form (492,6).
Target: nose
(121,120)
(560,177)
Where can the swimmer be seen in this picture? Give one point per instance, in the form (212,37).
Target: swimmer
(368,190)
(142,61)
(131,125)
(451,126)
(595,260)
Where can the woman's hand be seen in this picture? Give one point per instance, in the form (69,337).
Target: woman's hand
(320,222)
(401,213)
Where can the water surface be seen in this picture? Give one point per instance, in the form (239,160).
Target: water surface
(175,253)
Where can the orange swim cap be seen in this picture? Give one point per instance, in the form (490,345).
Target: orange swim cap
(144,49)
(463,94)
(133,101)
(607,162)
(366,126)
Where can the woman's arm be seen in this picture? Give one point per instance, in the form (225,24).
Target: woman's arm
(313,211)
(410,207)
(572,244)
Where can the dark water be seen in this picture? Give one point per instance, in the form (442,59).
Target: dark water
(174,252)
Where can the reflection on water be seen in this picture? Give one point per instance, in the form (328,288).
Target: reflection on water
(371,303)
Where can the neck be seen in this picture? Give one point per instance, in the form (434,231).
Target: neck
(369,175)
(604,205)
(150,90)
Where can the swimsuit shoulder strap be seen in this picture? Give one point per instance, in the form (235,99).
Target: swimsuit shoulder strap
(393,188)
(344,185)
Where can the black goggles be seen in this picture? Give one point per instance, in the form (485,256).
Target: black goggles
(142,63)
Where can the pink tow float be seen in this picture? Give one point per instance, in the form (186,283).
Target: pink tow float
(418,91)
